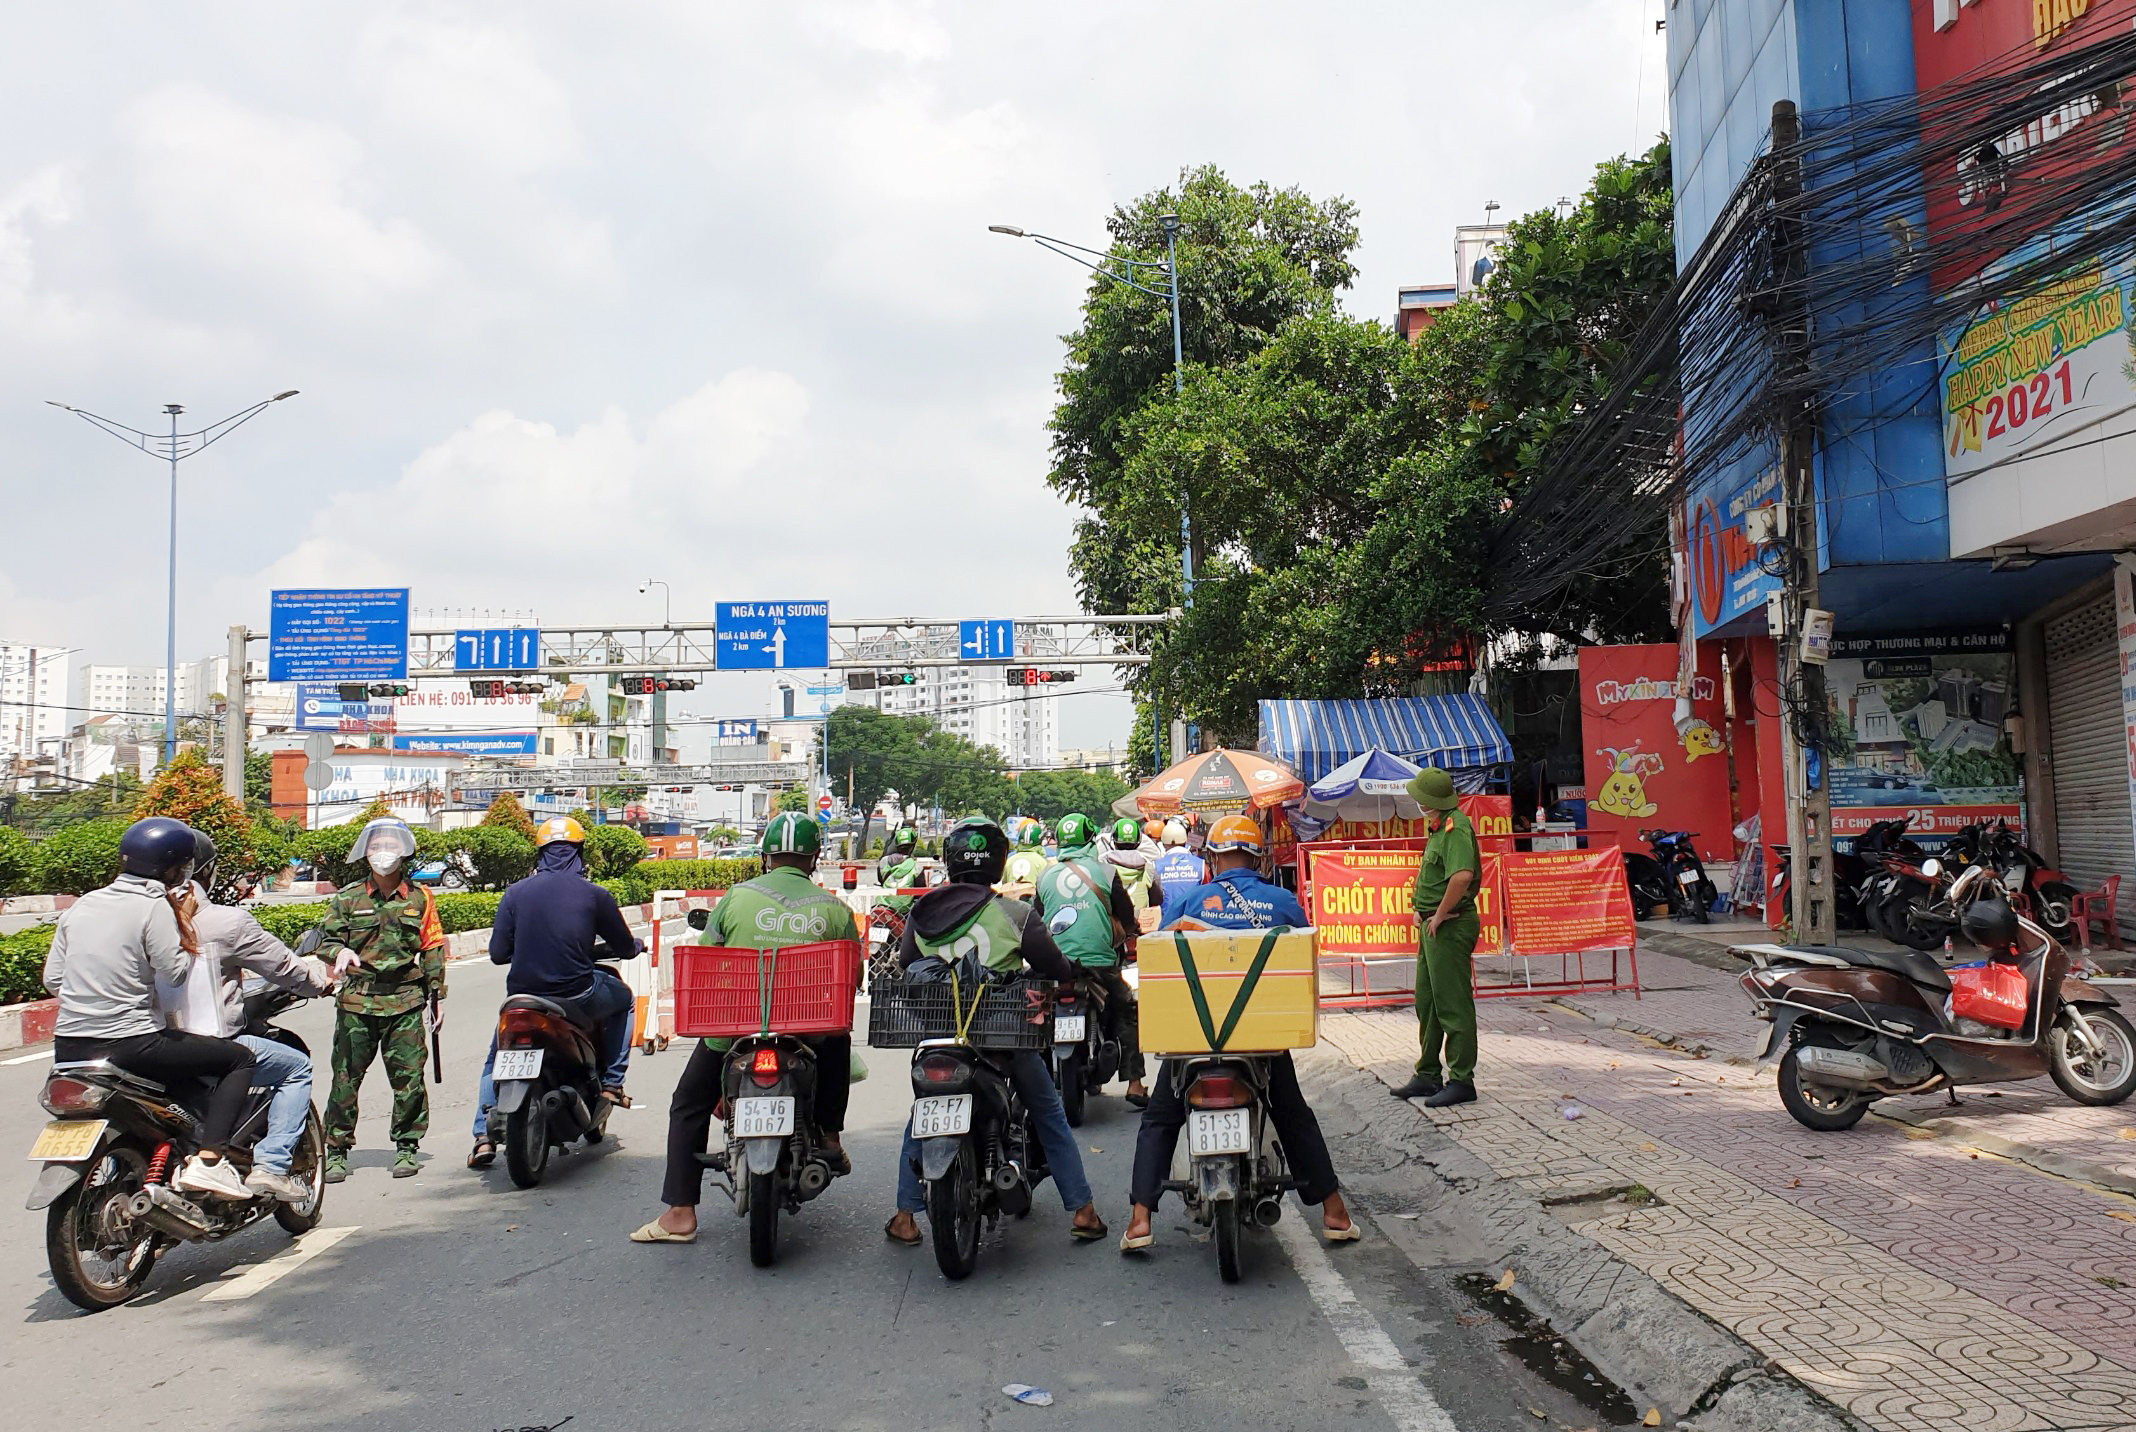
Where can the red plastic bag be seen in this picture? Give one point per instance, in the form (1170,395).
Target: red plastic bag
(1993,993)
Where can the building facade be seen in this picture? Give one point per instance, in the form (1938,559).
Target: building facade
(33,703)
(977,703)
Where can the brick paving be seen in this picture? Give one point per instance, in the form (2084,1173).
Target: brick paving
(1911,1278)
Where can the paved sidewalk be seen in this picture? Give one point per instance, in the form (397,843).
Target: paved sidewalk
(1910,1274)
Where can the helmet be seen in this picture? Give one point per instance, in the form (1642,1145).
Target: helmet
(559,827)
(1174,833)
(158,848)
(1989,923)
(1031,834)
(791,833)
(203,858)
(975,851)
(905,839)
(386,835)
(1126,832)
(1153,828)
(1237,832)
(1074,830)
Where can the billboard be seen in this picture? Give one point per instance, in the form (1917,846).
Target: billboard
(453,706)
(469,743)
(1642,772)
(1727,581)
(320,708)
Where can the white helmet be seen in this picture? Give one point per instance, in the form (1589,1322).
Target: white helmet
(1174,833)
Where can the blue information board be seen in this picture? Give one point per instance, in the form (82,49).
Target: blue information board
(762,636)
(988,640)
(333,635)
(496,649)
(470,743)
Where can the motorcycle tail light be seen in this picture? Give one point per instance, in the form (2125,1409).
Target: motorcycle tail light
(941,1069)
(63,1096)
(1219,1091)
(524,1026)
(764,1067)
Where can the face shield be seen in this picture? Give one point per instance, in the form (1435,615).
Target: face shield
(383,845)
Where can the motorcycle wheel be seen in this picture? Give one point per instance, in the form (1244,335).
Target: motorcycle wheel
(2052,904)
(763,1219)
(1224,1225)
(1702,897)
(1908,929)
(307,1165)
(2105,1080)
(99,1258)
(1826,1110)
(526,1142)
(953,1215)
(1074,1097)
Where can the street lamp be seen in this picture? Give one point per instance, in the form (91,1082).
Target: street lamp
(667,597)
(173,446)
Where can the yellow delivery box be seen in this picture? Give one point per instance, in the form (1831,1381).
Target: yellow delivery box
(1237,991)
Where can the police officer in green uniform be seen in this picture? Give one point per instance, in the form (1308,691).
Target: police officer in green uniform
(384,936)
(1091,917)
(1444,898)
(783,906)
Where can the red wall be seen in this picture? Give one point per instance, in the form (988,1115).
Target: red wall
(1641,775)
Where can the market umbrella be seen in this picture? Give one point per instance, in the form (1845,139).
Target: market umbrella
(1369,788)
(1220,780)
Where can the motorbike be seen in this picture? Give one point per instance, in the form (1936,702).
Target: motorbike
(113,1143)
(2036,888)
(774,1156)
(1084,1059)
(1853,1026)
(1859,873)
(548,1080)
(1237,1174)
(1672,875)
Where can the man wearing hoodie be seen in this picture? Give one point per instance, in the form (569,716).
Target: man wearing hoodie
(546,928)
(966,917)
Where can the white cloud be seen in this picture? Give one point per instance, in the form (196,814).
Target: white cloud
(476,89)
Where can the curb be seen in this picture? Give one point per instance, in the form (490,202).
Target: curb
(1662,1352)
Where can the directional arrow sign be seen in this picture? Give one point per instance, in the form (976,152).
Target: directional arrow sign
(763,636)
(987,640)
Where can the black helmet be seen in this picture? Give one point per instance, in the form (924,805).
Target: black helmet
(204,858)
(158,848)
(976,851)
(1989,923)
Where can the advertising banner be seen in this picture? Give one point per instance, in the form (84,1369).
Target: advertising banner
(453,706)
(1917,727)
(1491,815)
(1642,773)
(1565,902)
(1360,903)
(470,743)
(1726,580)
(320,708)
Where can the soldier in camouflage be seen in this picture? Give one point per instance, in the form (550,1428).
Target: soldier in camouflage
(385,934)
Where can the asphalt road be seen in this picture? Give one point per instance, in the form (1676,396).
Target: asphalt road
(454,1301)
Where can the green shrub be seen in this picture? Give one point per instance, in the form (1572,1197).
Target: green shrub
(628,889)
(698,874)
(612,850)
(499,856)
(18,863)
(22,957)
(80,858)
(288,923)
(472,910)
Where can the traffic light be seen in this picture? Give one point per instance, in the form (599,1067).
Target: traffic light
(678,683)
(352,691)
(860,681)
(897,678)
(485,690)
(647,685)
(526,688)
(388,688)
(1037,676)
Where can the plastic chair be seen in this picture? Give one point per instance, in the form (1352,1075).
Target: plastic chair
(2096,907)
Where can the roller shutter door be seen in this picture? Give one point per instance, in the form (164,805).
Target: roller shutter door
(2091,772)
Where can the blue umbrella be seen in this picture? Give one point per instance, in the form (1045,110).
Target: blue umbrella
(1371,787)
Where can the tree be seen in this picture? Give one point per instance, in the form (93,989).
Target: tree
(506,813)
(41,815)
(1049,795)
(259,779)
(189,789)
(795,799)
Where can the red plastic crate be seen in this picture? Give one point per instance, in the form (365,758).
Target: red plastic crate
(1992,993)
(717,994)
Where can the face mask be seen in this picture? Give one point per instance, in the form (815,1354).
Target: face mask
(383,862)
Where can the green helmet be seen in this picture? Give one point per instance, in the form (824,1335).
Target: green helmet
(791,833)
(1127,832)
(1074,830)
(1032,835)
(906,838)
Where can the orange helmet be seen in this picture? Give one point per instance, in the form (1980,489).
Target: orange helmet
(559,827)
(1237,832)
(1153,828)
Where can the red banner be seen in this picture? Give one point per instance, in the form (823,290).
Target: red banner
(1491,815)
(1643,774)
(1360,902)
(1565,902)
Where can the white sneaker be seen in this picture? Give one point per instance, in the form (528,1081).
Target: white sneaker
(262,1184)
(217,1179)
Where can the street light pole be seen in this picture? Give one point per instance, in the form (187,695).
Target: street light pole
(173,447)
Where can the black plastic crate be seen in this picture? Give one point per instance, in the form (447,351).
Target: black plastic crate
(1015,1015)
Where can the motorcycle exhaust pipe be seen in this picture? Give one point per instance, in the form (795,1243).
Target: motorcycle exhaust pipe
(813,1179)
(1267,1211)
(167,1213)
(1011,1190)
(1841,1067)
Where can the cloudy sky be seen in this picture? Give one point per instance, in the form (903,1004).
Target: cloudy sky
(578,295)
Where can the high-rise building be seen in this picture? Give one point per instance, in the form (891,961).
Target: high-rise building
(125,691)
(33,699)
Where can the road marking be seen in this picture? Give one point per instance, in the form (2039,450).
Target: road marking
(28,1058)
(1401,1393)
(265,1275)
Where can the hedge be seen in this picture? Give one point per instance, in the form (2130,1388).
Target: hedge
(22,957)
(457,912)
(697,874)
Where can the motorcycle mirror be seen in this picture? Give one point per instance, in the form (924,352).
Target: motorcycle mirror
(699,919)
(1932,867)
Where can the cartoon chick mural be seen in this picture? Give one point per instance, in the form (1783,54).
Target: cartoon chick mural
(1700,739)
(1623,794)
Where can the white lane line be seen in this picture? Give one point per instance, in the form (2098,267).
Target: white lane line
(28,1058)
(1401,1393)
(267,1274)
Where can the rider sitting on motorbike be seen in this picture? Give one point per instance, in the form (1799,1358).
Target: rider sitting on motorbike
(1028,862)
(108,950)
(232,943)
(545,930)
(1091,918)
(966,917)
(1135,864)
(1237,898)
(899,869)
(783,906)
(1178,868)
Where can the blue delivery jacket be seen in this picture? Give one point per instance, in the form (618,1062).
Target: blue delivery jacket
(1236,900)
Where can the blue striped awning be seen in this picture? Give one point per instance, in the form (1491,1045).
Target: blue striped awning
(1314,737)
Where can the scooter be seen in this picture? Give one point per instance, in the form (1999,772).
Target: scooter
(1853,1026)
(1084,1060)
(115,1139)
(2036,887)
(1237,1174)
(1682,882)
(548,1079)
(774,1157)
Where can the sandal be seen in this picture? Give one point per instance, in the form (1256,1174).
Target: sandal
(1082,1234)
(616,1097)
(889,1232)
(1137,1243)
(1340,1235)
(484,1155)
(654,1233)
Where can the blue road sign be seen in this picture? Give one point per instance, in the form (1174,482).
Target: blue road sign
(763,636)
(989,640)
(334,635)
(496,649)
(469,743)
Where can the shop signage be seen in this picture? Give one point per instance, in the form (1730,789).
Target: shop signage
(1917,728)
(1642,770)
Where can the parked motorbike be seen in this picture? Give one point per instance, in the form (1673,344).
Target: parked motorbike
(1860,876)
(113,1143)
(1854,1026)
(548,1079)
(2036,888)
(1911,904)
(1084,1059)
(1672,875)
(1236,1171)
(774,1156)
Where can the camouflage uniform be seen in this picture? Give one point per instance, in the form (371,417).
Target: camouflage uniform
(381,1004)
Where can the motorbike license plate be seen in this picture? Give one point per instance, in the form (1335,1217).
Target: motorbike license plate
(67,1140)
(943,1116)
(1219,1131)
(763,1118)
(517,1064)
(1068,1028)
(1687,877)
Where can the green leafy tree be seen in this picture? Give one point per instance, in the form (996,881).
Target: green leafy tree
(189,789)
(795,799)
(1049,795)
(80,858)
(506,813)
(259,780)
(38,815)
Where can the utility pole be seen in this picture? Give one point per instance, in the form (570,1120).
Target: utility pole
(234,719)
(1803,705)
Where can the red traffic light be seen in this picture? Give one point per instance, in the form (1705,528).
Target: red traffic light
(1037,676)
